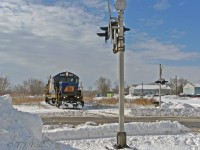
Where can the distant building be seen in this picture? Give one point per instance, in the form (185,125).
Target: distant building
(131,89)
(191,89)
(149,90)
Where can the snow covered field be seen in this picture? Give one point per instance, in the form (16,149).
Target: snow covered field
(21,127)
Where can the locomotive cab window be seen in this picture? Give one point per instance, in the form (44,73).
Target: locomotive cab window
(69,79)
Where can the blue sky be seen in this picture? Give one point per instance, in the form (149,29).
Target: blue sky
(39,38)
(175,22)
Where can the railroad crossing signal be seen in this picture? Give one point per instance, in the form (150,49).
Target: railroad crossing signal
(112,31)
(162,81)
(105,34)
(126,29)
(115,30)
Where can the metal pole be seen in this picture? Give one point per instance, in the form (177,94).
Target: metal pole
(176,85)
(160,95)
(121,135)
(121,73)
(160,72)
(142,90)
(121,91)
(120,6)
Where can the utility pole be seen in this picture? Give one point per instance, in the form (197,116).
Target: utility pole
(176,82)
(142,90)
(120,6)
(160,81)
(116,30)
(121,135)
(160,75)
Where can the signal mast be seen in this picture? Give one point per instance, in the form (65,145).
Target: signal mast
(115,30)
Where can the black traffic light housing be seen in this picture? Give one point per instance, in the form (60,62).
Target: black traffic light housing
(111,31)
(106,34)
(126,29)
(162,81)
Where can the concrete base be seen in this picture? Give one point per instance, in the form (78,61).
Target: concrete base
(121,140)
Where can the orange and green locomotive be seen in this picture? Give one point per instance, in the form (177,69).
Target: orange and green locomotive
(63,90)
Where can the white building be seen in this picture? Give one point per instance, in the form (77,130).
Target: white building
(191,89)
(131,89)
(149,90)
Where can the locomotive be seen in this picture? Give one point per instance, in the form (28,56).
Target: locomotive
(63,90)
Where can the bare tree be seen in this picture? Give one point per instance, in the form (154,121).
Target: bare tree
(20,89)
(116,88)
(177,85)
(103,85)
(4,85)
(181,83)
(34,86)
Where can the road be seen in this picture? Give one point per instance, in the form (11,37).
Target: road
(190,122)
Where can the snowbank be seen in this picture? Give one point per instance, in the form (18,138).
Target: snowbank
(167,109)
(27,125)
(21,130)
(164,135)
(90,131)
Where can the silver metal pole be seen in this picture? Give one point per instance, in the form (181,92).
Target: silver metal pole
(121,91)
(160,95)
(120,5)
(176,85)
(160,73)
(121,72)
(142,90)
(121,135)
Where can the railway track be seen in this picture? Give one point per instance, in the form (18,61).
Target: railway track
(190,122)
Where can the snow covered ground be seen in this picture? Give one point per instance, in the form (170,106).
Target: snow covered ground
(171,106)
(21,127)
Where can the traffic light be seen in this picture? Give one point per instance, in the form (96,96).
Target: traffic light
(158,81)
(112,31)
(106,34)
(162,81)
(126,29)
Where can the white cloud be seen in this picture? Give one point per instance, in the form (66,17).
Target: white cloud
(37,40)
(176,34)
(151,22)
(155,50)
(162,5)
(144,54)
(138,69)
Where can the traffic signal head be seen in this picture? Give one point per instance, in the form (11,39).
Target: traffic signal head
(158,81)
(162,81)
(105,34)
(126,29)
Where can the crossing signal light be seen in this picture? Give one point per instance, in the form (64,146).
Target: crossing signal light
(162,81)
(126,29)
(105,34)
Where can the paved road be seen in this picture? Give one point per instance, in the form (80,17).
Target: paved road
(190,122)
